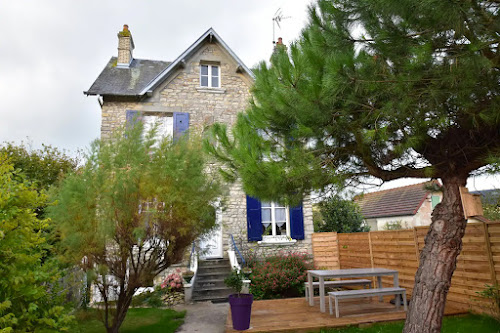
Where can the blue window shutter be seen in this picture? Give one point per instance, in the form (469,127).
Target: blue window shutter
(297,222)
(132,117)
(254,219)
(181,124)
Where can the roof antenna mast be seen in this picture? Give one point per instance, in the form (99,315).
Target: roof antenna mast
(278,17)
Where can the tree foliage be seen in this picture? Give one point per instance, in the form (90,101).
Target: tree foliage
(132,210)
(341,215)
(385,89)
(30,297)
(43,167)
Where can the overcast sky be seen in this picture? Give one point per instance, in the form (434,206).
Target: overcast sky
(53,50)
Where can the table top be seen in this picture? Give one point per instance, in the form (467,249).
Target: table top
(352,272)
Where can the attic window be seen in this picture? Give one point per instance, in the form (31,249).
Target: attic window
(210,76)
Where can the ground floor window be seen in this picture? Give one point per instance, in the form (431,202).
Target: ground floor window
(275,219)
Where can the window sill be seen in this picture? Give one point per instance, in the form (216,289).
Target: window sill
(211,90)
(277,241)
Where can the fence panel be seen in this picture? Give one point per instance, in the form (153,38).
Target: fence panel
(325,250)
(354,250)
(396,250)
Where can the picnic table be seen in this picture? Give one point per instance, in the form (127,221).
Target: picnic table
(321,275)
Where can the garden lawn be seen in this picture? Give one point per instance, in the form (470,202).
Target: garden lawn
(139,320)
(451,324)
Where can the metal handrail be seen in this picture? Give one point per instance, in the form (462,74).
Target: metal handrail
(237,250)
(190,263)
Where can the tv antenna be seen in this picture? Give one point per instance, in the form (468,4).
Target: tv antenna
(278,17)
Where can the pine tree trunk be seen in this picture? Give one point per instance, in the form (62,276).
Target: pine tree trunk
(438,260)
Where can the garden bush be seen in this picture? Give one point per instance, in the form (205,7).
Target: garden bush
(279,276)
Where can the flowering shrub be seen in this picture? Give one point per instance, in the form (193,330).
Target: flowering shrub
(164,294)
(173,281)
(279,276)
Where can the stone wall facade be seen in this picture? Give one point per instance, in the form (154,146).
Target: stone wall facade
(182,93)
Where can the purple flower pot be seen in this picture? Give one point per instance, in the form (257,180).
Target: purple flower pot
(241,310)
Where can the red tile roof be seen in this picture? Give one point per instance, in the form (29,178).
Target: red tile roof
(400,201)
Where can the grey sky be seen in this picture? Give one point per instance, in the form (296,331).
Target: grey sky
(52,50)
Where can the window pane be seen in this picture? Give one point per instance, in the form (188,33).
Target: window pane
(280,214)
(267,229)
(266,215)
(215,81)
(204,70)
(204,81)
(265,204)
(215,70)
(281,228)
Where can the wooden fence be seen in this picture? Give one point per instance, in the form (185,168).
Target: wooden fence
(478,264)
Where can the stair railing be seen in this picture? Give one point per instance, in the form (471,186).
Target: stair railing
(193,260)
(232,254)
(233,260)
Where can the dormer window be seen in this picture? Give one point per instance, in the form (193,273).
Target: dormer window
(210,76)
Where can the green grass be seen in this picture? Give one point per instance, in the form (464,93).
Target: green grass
(141,320)
(451,324)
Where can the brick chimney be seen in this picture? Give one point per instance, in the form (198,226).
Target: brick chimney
(125,47)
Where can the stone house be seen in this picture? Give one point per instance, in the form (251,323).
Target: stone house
(401,207)
(207,83)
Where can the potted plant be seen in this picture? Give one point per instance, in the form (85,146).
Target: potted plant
(241,304)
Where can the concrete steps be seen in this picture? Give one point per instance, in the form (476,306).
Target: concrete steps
(209,284)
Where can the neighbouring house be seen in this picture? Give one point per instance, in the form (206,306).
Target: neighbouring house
(207,83)
(411,206)
(401,207)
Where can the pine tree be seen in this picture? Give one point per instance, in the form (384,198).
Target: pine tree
(385,89)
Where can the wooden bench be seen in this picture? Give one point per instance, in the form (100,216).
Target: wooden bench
(336,295)
(340,283)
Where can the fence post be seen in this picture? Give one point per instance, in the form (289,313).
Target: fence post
(371,254)
(338,248)
(417,252)
(490,254)
(370,246)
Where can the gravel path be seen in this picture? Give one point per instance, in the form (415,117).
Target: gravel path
(203,317)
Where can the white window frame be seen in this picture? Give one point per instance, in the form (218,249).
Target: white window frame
(209,76)
(273,206)
(165,126)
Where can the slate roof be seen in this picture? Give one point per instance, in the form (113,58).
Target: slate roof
(400,201)
(130,81)
(144,76)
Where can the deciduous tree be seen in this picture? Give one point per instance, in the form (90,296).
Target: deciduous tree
(30,297)
(341,215)
(385,89)
(132,211)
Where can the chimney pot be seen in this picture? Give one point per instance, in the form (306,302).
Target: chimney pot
(125,27)
(280,41)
